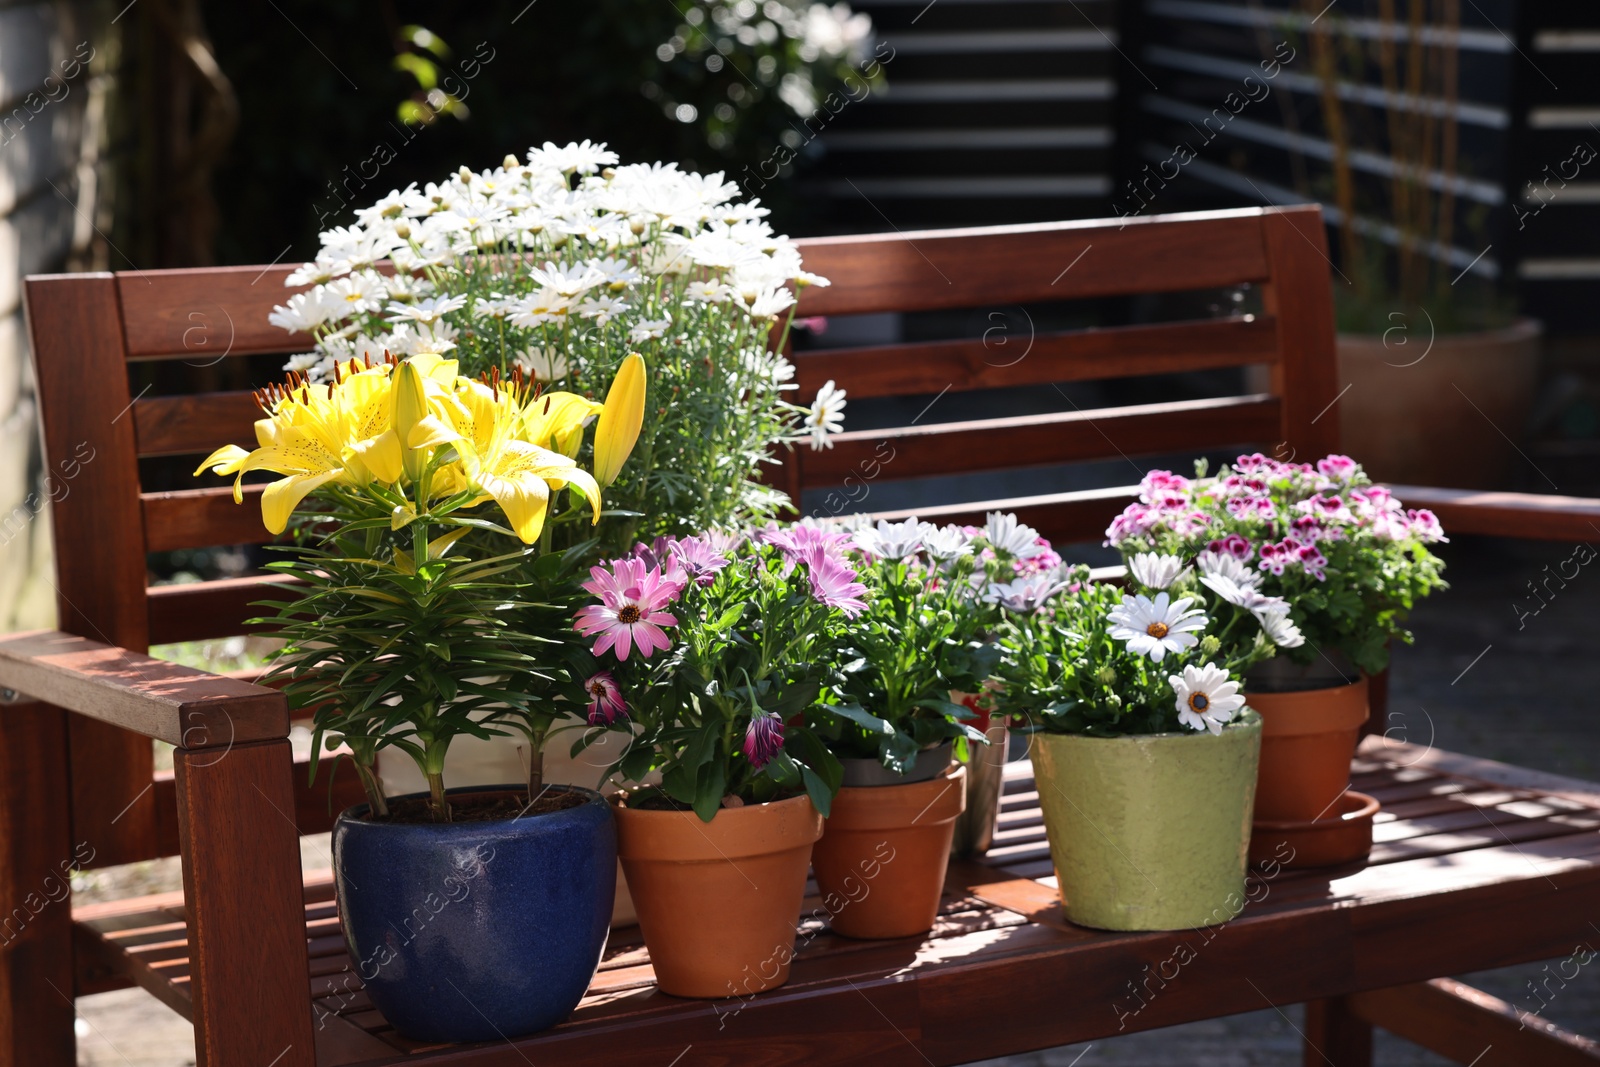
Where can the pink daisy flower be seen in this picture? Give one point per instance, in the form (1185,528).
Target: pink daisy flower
(629,614)
(833,582)
(606,705)
(763,739)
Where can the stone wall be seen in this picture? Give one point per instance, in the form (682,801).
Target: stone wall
(55,85)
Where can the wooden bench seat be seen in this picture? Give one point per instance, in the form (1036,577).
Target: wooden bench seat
(1461,844)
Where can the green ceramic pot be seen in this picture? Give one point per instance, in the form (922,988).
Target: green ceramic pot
(1149,833)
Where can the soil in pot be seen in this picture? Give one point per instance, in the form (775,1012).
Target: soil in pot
(1149,832)
(481,928)
(718,902)
(881,862)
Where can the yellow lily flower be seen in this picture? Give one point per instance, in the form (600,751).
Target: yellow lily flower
(620,420)
(517,474)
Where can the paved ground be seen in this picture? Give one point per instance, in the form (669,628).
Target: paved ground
(1494,673)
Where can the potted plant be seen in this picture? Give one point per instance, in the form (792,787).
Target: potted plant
(889,718)
(1427,347)
(558,265)
(1143,751)
(425,504)
(1347,559)
(710,649)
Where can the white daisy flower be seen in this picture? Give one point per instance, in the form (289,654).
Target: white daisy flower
(602,309)
(1006,534)
(1280,628)
(1155,627)
(616,274)
(304,312)
(319,272)
(538,307)
(585,158)
(770,303)
(893,540)
(648,330)
(542,364)
(706,292)
(571,281)
(1206,697)
(826,415)
(1156,571)
(357,293)
(427,311)
(302,362)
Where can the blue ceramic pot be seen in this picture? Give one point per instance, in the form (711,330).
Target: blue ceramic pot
(475,931)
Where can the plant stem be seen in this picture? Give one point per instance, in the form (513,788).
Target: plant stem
(437,803)
(373,789)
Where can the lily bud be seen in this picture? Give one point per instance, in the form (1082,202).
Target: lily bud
(620,420)
(410,401)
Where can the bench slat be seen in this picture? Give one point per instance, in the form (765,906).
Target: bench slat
(1011,358)
(197,423)
(1037,440)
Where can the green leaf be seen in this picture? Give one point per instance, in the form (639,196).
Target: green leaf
(856,714)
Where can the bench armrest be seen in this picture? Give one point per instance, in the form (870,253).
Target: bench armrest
(187,708)
(1524,515)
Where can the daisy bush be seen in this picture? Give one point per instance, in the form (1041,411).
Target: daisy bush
(1345,557)
(933,603)
(709,650)
(1165,654)
(560,265)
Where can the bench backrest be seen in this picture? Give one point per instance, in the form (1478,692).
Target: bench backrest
(87,329)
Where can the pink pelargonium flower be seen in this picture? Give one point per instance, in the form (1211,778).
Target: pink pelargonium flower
(1325,508)
(1424,525)
(1235,545)
(1312,561)
(833,582)
(1047,561)
(1254,462)
(1336,467)
(1157,484)
(763,739)
(606,705)
(1135,521)
(629,614)
(1275,557)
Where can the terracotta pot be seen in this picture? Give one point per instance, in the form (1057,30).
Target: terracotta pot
(1149,832)
(1308,738)
(1421,414)
(880,864)
(718,902)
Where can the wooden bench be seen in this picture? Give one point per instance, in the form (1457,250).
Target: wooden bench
(1478,865)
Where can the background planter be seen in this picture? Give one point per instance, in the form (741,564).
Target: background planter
(1149,833)
(881,862)
(718,902)
(986,766)
(475,931)
(931,763)
(1404,419)
(1308,737)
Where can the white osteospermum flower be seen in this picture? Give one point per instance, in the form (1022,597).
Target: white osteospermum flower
(1156,571)
(1229,567)
(648,330)
(893,540)
(826,416)
(1206,697)
(1155,627)
(1245,595)
(1008,535)
(1024,595)
(1280,629)
(945,542)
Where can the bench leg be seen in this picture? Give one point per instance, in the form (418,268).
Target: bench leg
(246,901)
(36,1008)
(1336,1036)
